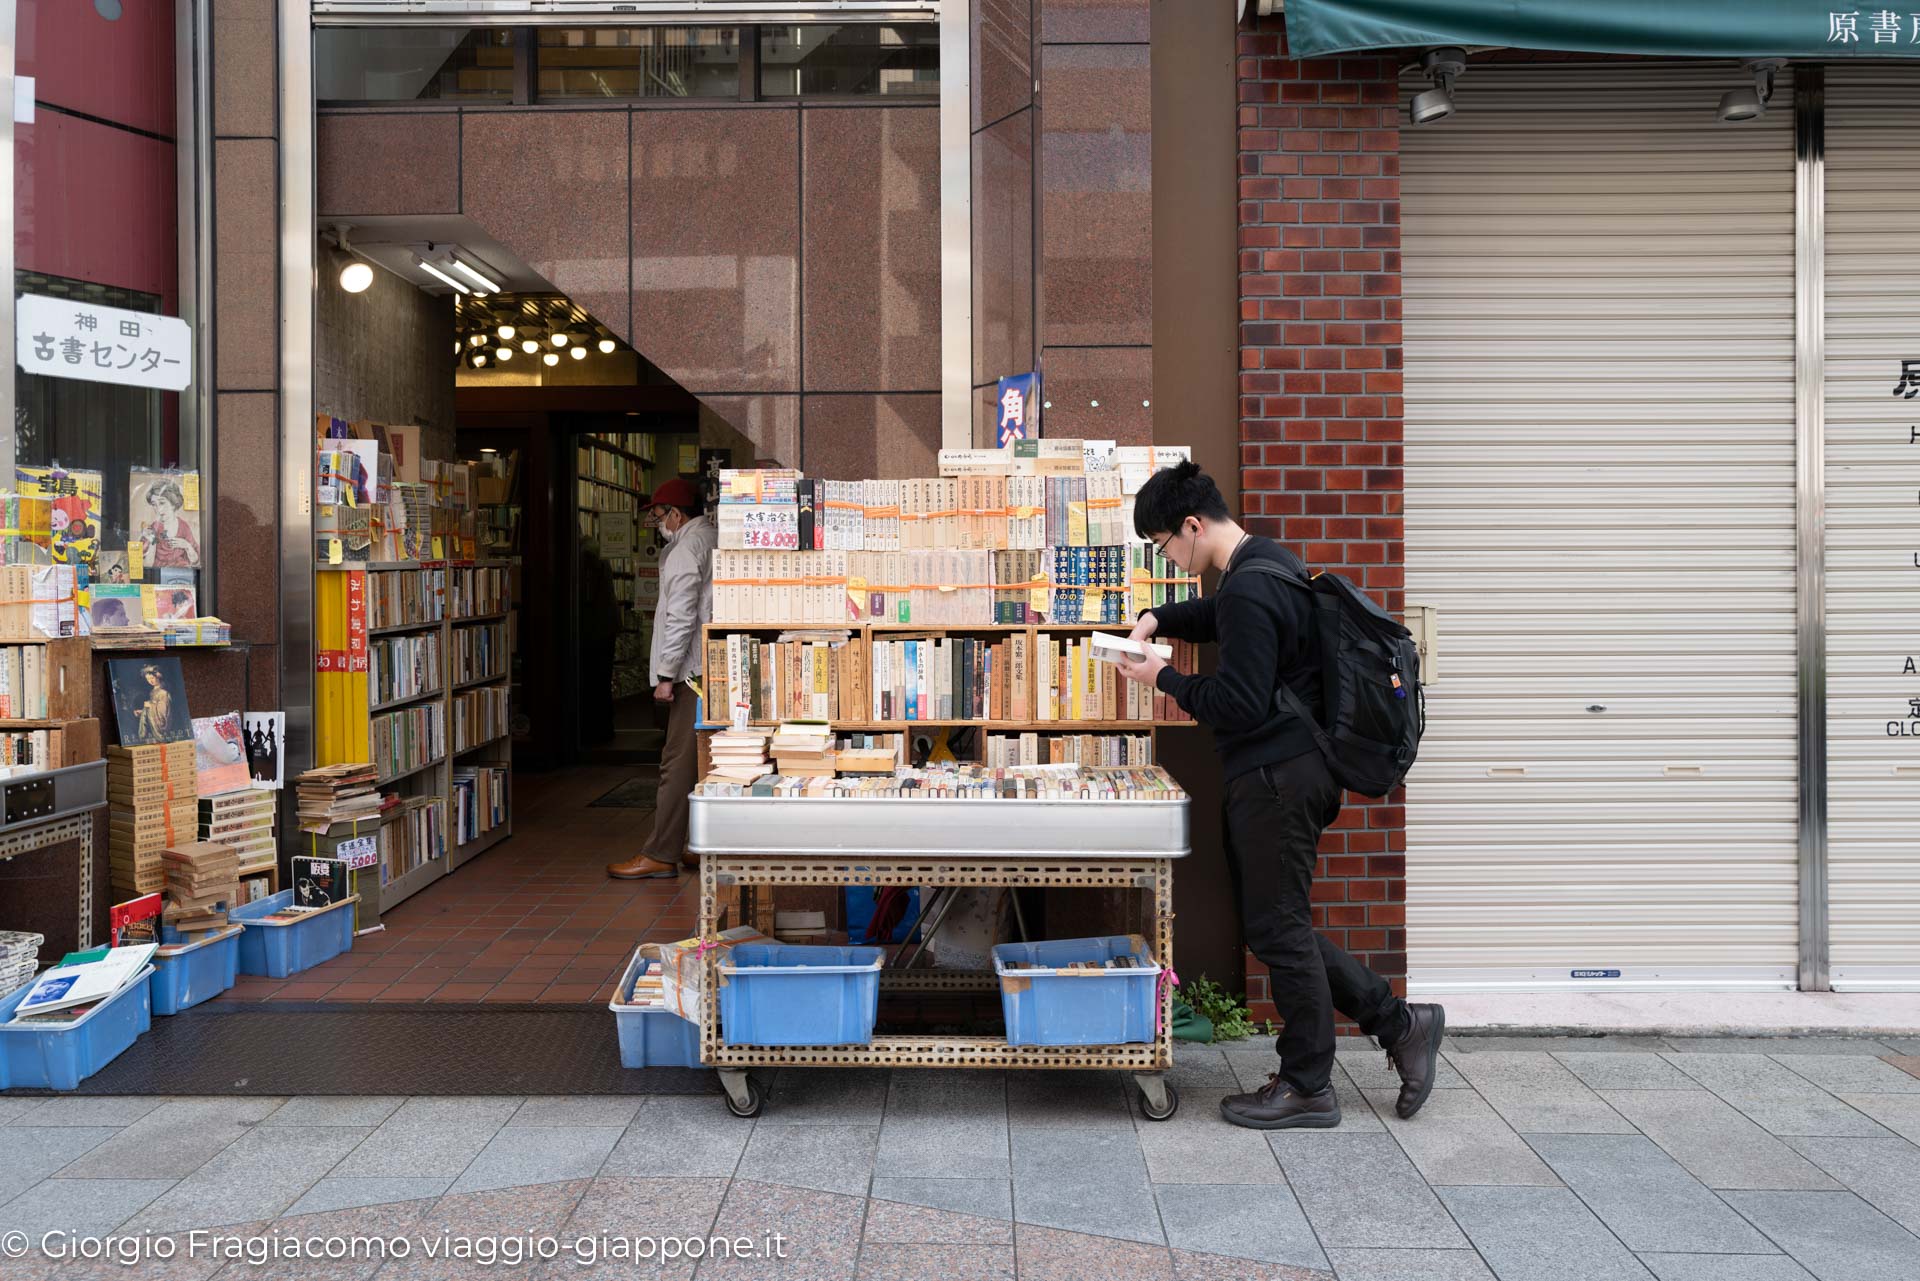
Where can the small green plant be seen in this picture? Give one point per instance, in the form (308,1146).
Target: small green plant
(1227,1011)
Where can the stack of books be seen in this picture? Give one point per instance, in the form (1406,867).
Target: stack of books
(869,753)
(81,981)
(132,637)
(195,631)
(759,510)
(739,755)
(804,749)
(19,958)
(334,794)
(203,880)
(243,822)
(970,782)
(153,804)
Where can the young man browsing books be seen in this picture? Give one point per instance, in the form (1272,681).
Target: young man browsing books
(1279,797)
(686,602)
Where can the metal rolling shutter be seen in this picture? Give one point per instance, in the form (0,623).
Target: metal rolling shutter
(1600,502)
(1873,526)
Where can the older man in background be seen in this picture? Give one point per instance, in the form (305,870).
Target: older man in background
(686,602)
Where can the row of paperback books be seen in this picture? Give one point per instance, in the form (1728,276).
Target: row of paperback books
(970,782)
(406,597)
(798,675)
(479,652)
(1068,749)
(1106,584)
(479,801)
(477,591)
(414,835)
(479,716)
(404,666)
(407,739)
(1022,678)
(1073,684)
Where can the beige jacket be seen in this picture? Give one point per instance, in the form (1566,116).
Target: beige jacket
(686,601)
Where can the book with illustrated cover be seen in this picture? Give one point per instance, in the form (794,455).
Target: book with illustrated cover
(219,754)
(318,883)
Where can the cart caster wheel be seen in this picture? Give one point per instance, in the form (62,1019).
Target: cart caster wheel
(749,1106)
(1160,1114)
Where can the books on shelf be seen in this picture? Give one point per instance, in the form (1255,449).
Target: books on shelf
(818,676)
(1032,748)
(477,591)
(1071,684)
(759,509)
(414,834)
(479,716)
(405,597)
(479,652)
(407,665)
(336,794)
(956,678)
(408,738)
(1109,648)
(971,782)
(479,801)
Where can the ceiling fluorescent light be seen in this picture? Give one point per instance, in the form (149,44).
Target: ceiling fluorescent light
(439,275)
(481,283)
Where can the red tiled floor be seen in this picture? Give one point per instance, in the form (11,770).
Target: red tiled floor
(463,991)
(515,992)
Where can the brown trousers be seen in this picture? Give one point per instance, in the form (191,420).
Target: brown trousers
(679,759)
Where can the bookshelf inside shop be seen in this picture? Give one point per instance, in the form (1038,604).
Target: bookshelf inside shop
(500,508)
(414,660)
(615,476)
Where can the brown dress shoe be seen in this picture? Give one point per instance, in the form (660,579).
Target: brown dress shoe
(1279,1106)
(640,868)
(1416,1056)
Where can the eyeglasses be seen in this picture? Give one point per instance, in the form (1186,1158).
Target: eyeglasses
(1161,548)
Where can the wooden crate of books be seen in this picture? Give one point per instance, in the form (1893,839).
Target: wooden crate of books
(51,747)
(46,681)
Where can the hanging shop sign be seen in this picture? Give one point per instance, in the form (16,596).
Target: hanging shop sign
(1673,28)
(1019,408)
(69,338)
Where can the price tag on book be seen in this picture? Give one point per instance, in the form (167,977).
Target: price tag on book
(359,852)
(857,596)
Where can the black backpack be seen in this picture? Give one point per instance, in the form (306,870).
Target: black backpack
(1370,684)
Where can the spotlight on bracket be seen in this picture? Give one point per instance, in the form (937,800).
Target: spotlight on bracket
(1751,103)
(1442,67)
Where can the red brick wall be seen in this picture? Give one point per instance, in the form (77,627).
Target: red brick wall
(1320,396)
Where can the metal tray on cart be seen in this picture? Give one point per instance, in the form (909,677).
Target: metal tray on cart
(797,826)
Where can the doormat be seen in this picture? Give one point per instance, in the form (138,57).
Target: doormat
(634,794)
(320,1049)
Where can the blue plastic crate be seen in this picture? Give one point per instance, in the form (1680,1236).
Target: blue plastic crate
(789,994)
(279,949)
(58,1056)
(652,1036)
(1046,1004)
(185,974)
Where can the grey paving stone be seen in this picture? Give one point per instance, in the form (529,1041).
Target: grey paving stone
(1716,1144)
(1739,1073)
(982,1198)
(826,1158)
(1898,1112)
(174,1139)
(1234,1219)
(1408,1265)
(256,1177)
(1469,1044)
(889,1262)
(1643,1194)
(72,1109)
(614,1209)
(1725,1267)
(1568,1109)
(1483,1068)
(1356,1114)
(1089,1181)
(79,1206)
(351,1194)
(1852,1074)
(1834,1235)
(398,1150)
(1072,1100)
(1885,1172)
(1625,1071)
(1809,1113)
(1457,1138)
(945,1125)
(1360,1190)
(1902,1044)
(826,1096)
(458,1110)
(1194,1066)
(528,1155)
(684,1137)
(34,1153)
(12,1110)
(1197,1145)
(1540,1234)
(590,1110)
(1778,1045)
(336,1109)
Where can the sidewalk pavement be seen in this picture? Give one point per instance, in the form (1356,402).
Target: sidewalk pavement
(1536,1159)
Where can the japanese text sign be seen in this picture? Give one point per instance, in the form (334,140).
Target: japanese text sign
(68,338)
(1017,409)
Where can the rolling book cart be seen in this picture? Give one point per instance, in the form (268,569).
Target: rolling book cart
(748,844)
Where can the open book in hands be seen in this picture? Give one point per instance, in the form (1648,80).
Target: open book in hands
(1110,648)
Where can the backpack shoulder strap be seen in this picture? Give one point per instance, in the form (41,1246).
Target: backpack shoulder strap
(1326,614)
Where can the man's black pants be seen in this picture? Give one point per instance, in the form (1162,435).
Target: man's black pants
(1274,817)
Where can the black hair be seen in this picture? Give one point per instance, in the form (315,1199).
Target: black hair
(692,511)
(1171,495)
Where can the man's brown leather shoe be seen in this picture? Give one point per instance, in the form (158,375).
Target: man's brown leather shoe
(640,867)
(1278,1106)
(1416,1056)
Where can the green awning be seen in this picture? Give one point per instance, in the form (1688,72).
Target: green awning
(1660,28)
